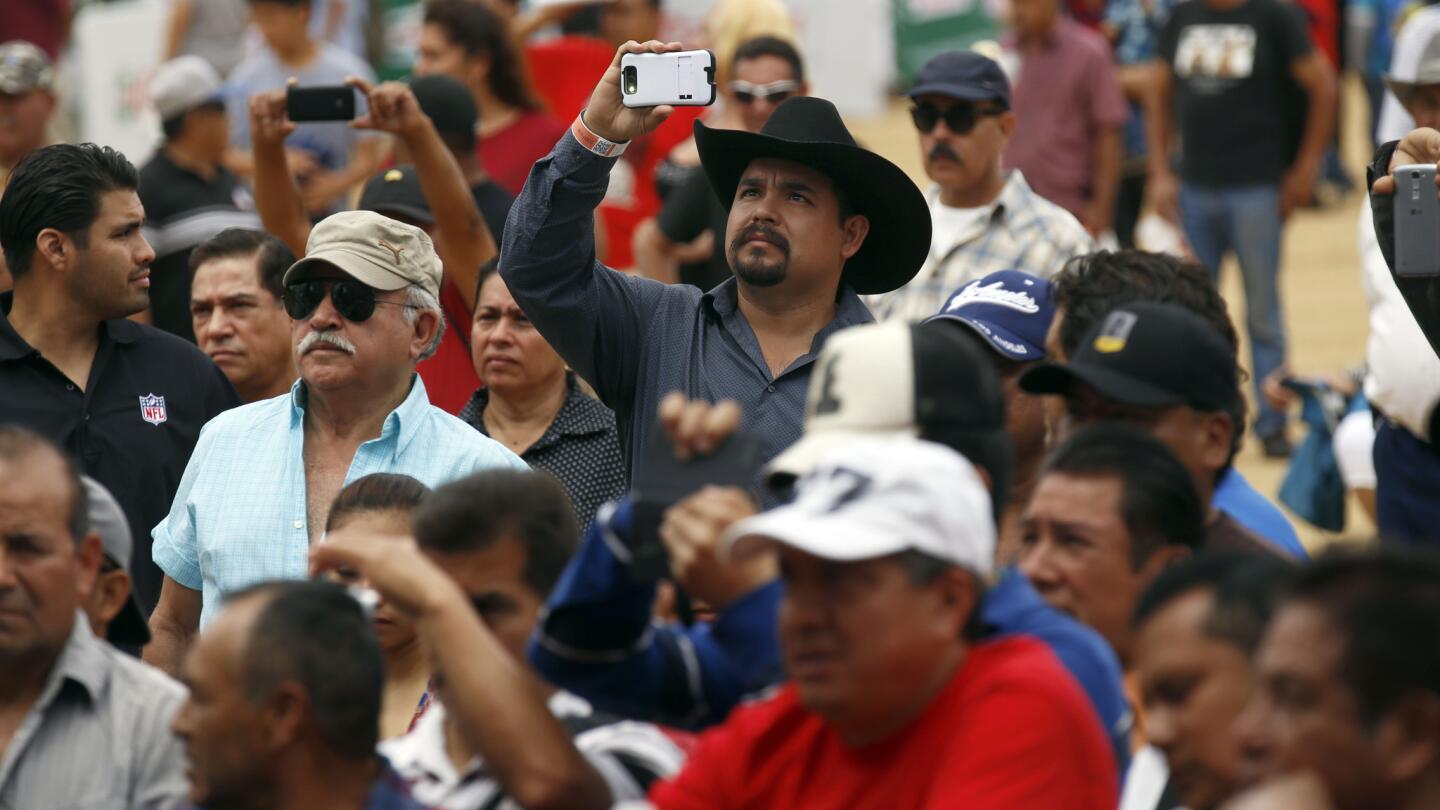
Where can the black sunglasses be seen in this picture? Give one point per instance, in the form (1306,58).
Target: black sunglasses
(958,118)
(354,301)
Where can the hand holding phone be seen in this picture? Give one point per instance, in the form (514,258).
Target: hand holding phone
(607,115)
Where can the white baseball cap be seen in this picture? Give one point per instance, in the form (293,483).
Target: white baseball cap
(183,84)
(874,497)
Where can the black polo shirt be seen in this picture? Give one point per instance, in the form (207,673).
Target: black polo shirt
(132,428)
(183,209)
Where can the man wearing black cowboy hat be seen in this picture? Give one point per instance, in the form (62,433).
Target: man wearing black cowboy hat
(814,221)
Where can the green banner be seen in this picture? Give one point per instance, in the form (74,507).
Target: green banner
(924,28)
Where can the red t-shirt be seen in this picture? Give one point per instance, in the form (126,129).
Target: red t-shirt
(449,374)
(507,155)
(1010,730)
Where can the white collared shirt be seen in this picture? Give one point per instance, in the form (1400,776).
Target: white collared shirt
(616,750)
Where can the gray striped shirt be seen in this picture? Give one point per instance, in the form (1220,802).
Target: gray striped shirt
(99,736)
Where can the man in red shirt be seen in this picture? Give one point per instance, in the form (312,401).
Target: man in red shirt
(884,554)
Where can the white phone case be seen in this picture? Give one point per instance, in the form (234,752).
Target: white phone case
(683,78)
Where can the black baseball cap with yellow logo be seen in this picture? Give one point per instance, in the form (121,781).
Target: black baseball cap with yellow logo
(1148,355)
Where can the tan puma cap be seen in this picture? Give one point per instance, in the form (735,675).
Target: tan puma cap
(373,249)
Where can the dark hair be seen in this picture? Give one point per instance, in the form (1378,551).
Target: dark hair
(1246,587)
(1159,503)
(487,270)
(376,492)
(18,443)
(315,634)
(450,107)
(58,187)
(922,569)
(477,29)
(272,256)
(1385,605)
(770,46)
(1089,287)
(480,510)
(172,127)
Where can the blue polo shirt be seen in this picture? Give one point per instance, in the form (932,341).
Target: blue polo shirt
(239,516)
(1235,497)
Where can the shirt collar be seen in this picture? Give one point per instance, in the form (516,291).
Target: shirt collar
(14,347)
(83,661)
(724,300)
(401,425)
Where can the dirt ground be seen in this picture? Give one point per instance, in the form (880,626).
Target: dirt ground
(1320,286)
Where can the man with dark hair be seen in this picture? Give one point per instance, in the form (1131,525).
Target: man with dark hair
(1349,684)
(504,537)
(187,192)
(1112,509)
(237,307)
(893,701)
(672,246)
(1007,314)
(284,706)
(1091,286)
(67,697)
(624,21)
(986,219)
(815,220)
(1195,629)
(126,401)
(1125,370)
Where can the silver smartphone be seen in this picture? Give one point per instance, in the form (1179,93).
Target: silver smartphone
(1417,221)
(680,79)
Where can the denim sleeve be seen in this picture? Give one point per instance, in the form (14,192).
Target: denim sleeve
(595,317)
(597,639)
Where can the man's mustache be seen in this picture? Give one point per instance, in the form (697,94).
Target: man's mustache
(329,336)
(943,150)
(759,229)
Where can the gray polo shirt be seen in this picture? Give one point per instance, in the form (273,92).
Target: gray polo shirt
(633,339)
(99,736)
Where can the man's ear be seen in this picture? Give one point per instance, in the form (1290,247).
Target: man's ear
(1218,432)
(423,332)
(285,712)
(856,227)
(959,597)
(1409,736)
(54,247)
(1007,124)
(114,589)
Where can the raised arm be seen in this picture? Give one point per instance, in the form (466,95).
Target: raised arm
(461,237)
(595,317)
(277,197)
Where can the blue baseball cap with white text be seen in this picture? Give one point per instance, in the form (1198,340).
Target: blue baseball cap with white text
(1011,310)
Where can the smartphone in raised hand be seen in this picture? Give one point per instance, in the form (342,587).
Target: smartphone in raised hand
(679,79)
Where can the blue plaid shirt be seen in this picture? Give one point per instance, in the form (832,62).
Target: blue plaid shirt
(239,515)
(1020,231)
(633,339)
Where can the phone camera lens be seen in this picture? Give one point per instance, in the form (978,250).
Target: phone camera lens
(631,80)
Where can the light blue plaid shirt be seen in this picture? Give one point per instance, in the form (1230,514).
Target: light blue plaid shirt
(239,515)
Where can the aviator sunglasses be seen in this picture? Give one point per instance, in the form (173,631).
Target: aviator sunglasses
(958,118)
(774,92)
(354,301)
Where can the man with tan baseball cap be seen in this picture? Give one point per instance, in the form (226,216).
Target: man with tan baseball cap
(364,311)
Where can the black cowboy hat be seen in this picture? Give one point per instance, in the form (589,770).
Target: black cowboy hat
(809,131)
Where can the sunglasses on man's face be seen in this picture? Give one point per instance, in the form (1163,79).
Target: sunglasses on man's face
(958,118)
(354,301)
(774,92)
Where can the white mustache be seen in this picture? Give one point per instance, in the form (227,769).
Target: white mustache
(329,336)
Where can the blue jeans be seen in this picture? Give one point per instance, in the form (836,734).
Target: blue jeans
(1244,220)
(1407,474)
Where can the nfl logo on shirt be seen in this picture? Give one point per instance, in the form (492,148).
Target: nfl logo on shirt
(152,409)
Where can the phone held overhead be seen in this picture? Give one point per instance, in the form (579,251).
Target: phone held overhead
(679,79)
(324,103)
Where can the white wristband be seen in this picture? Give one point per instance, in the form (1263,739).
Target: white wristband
(595,143)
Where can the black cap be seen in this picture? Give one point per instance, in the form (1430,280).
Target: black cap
(1148,355)
(397,191)
(964,75)
(449,106)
